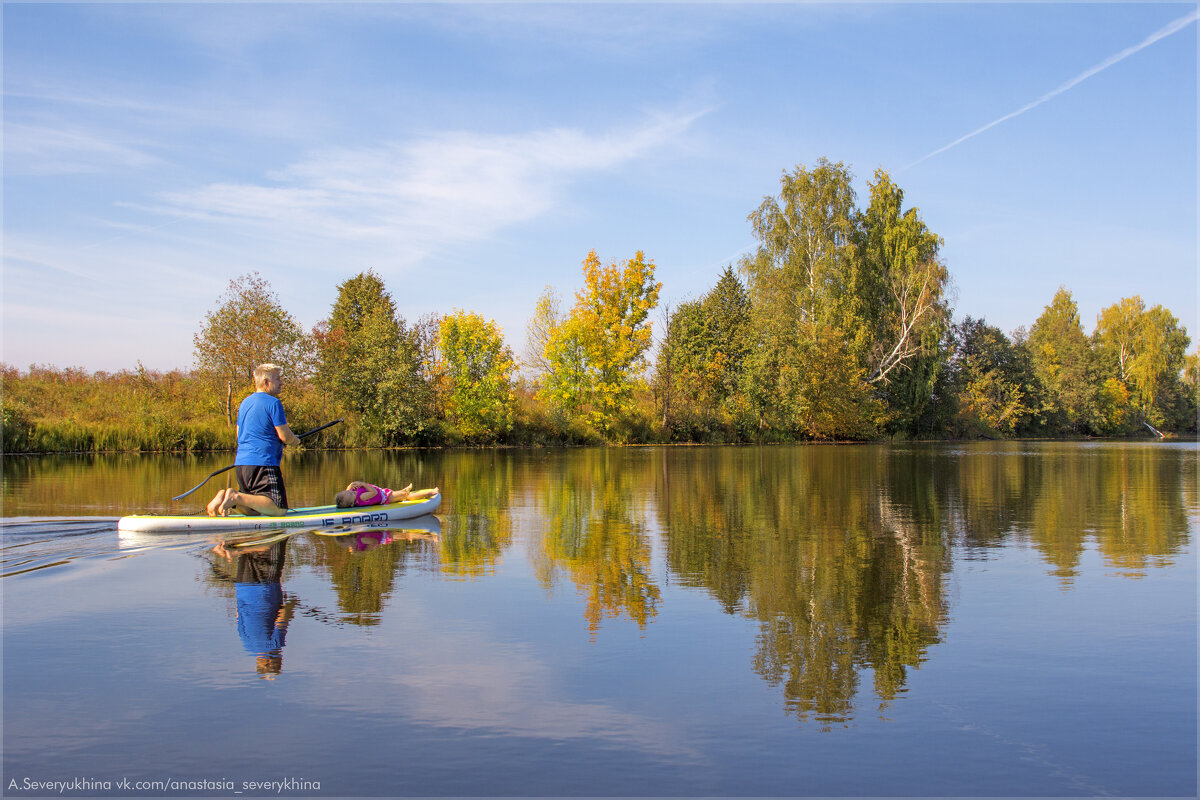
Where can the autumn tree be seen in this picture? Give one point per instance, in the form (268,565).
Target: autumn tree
(1191,386)
(684,384)
(708,344)
(726,326)
(593,356)
(823,387)
(1062,362)
(613,313)
(806,254)
(478,372)
(1156,371)
(994,381)
(547,316)
(901,313)
(424,339)
(1140,352)
(1117,334)
(368,364)
(566,385)
(247,328)
(802,279)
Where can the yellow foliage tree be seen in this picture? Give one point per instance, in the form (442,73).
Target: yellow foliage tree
(1144,349)
(593,357)
(613,313)
(478,369)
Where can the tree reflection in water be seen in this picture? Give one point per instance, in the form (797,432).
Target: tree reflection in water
(840,575)
(842,554)
(593,529)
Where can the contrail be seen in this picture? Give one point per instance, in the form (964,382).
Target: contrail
(1162,33)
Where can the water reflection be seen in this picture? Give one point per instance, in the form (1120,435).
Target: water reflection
(482,504)
(263,610)
(361,562)
(842,571)
(592,529)
(364,565)
(1128,500)
(840,556)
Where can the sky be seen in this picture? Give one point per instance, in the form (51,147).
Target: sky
(472,154)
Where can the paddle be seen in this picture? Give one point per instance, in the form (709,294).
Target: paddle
(231,466)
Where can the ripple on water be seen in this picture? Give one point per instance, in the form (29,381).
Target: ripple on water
(30,544)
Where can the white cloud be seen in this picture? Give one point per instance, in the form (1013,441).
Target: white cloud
(386,207)
(420,195)
(503,689)
(54,150)
(463,679)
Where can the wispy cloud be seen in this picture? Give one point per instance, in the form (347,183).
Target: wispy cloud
(54,150)
(1161,33)
(388,206)
(421,194)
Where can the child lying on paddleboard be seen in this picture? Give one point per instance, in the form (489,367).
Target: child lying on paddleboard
(359,493)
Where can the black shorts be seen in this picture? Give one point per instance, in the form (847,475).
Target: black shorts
(265,481)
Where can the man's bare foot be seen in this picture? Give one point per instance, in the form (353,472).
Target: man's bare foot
(214,505)
(231,498)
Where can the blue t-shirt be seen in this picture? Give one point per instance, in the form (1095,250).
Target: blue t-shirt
(258,443)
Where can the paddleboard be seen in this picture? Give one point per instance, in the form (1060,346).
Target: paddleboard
(314,517)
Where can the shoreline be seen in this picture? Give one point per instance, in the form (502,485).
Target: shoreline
(1169,437)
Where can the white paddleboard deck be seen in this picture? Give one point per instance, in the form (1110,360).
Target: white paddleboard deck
(315,517)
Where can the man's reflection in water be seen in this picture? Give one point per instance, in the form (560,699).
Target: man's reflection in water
(263,610)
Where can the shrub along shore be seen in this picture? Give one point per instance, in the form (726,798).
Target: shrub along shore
(51,410)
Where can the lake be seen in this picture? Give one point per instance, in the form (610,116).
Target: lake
(982,619)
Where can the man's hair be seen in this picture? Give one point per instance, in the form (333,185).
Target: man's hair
(263,370)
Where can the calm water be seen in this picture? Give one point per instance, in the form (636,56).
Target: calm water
(1006,619)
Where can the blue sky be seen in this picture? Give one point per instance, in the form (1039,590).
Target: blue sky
(472,154)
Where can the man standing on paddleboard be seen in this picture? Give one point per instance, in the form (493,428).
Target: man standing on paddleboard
(262,431)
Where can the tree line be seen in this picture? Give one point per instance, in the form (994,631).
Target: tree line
(837,326)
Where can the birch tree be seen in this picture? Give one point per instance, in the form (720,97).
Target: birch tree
(1143,350)
(802,280)
(547,316)
(901,283)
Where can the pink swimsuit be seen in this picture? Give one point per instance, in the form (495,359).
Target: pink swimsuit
(384,497)
(366,541)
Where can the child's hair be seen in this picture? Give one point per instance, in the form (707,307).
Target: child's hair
(263,370)
(345,499)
